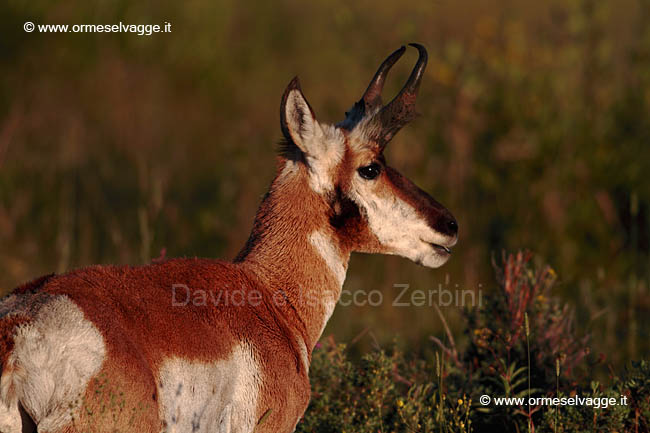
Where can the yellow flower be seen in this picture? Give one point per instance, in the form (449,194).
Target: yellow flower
(400,403)
(460,401)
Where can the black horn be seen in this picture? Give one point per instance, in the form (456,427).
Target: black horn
(398,112)
(401,109)
(371,98)
(372,95)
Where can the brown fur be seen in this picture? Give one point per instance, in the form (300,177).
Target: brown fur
(132,307)
(436,214)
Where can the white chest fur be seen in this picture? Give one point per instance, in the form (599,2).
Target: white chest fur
(218,396)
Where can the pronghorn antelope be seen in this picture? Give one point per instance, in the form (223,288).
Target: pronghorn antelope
(199,345)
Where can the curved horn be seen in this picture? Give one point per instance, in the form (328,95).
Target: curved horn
(401,109)
(372,96)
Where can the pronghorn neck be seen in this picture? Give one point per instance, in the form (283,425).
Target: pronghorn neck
(296,252)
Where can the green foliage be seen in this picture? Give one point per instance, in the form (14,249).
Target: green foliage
(636,384)
(498,353)
(348,394)
(395,393)
(372,395)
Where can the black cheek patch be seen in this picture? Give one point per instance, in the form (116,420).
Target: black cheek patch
(345,215)
(344,211)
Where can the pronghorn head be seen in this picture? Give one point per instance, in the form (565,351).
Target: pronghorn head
(372,207)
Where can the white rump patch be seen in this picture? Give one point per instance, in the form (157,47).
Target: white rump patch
(54,357)
(210,397)
(10,417)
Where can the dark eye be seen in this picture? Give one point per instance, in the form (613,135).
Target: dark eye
(370,171)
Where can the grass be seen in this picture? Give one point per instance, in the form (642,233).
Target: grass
(521,345)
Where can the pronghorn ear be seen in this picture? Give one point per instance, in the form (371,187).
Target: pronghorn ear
(299,124)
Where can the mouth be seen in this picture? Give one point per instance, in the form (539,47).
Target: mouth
(440,249)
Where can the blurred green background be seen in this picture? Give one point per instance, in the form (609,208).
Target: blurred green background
(535,133)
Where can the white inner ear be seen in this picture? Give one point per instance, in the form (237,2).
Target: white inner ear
(302,125)
(323,146)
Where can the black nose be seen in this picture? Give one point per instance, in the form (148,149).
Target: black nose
(452,225)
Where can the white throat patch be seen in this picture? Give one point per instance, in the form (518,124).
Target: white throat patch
(328,251)
(336,265)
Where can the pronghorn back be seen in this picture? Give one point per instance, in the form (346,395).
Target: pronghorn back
(165,345)
(202,345)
